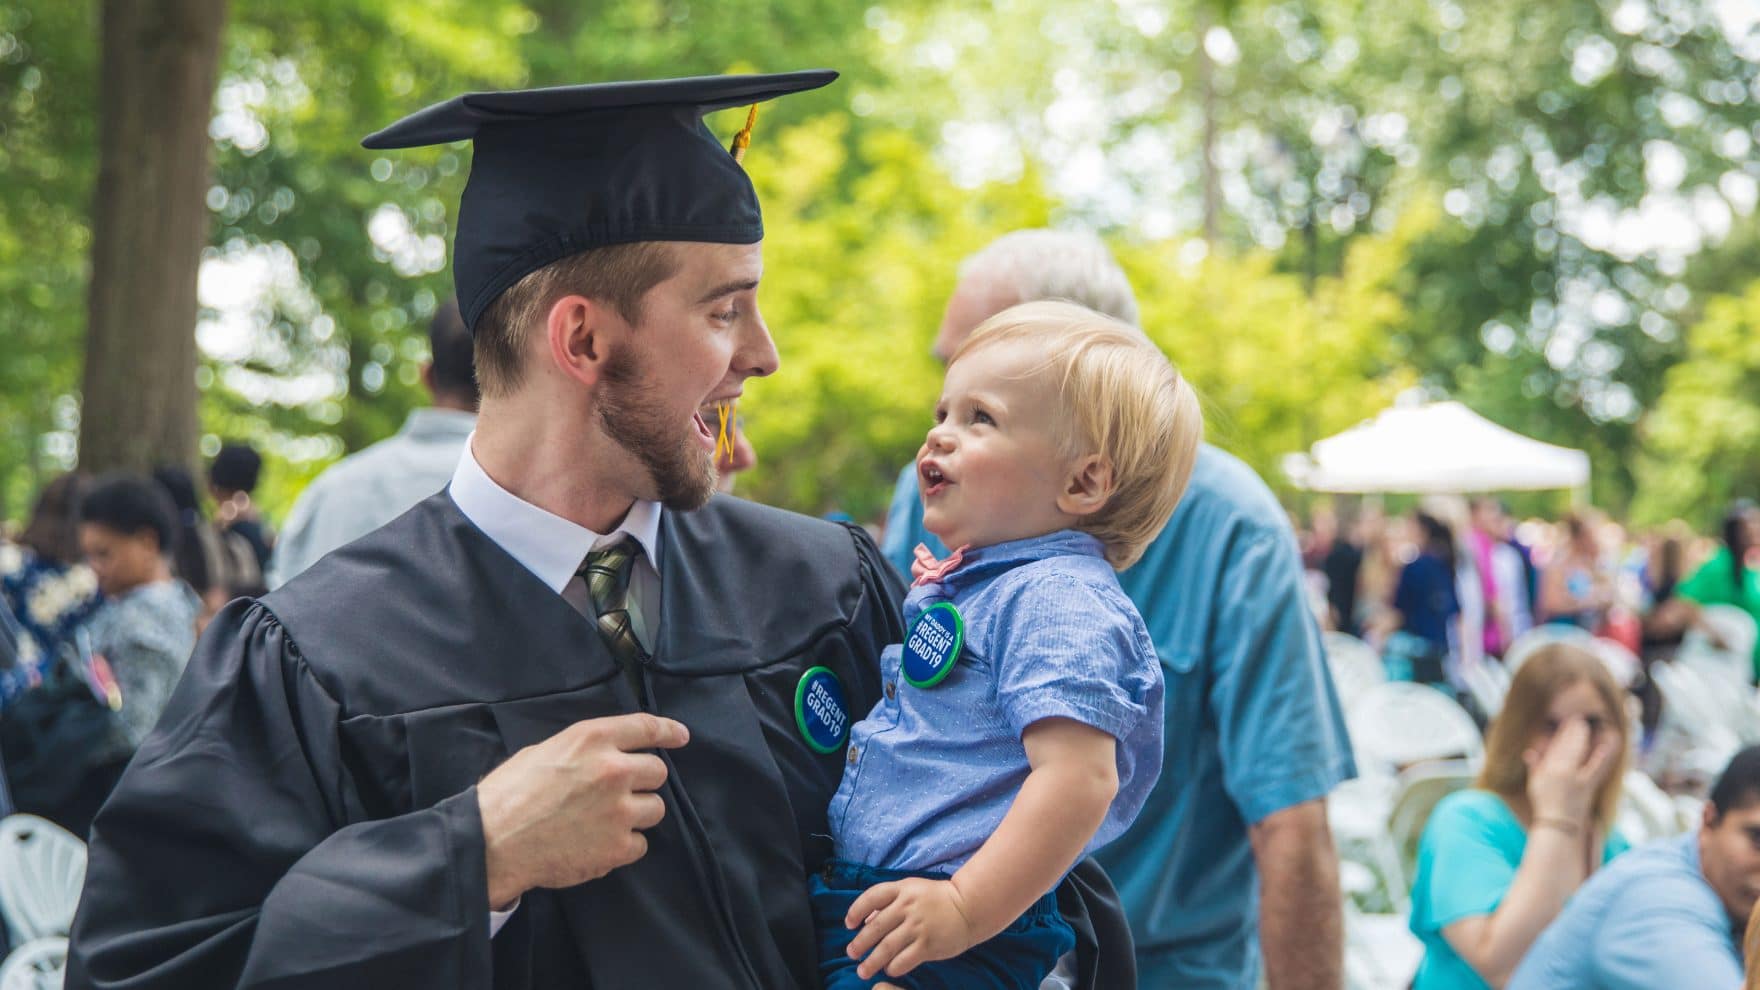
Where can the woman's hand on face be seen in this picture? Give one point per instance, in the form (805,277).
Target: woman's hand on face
(1563,779)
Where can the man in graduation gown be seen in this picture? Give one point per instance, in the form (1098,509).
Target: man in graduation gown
(550,727)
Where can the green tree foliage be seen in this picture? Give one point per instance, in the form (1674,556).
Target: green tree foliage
(48,160)
(1568,145)
(1702,445)
(853,292)
(1404,191)
(1278,361)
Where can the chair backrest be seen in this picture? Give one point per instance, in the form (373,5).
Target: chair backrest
(42,867)
(1727,699)
(1645,811)
(1488,682)
(1541,635)
(1691,705)
(1737,670)
(1354,664)
(1419,791)
(1400,724)
(1619,660)
(1737,629)
(40,964)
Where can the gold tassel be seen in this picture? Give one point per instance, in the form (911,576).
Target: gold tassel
(726,433)
(744,137)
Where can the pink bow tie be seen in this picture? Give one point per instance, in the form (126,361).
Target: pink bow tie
(927,570)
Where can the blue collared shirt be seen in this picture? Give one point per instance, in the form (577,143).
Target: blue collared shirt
(1048,633)
(1253,723)
(369,488)
(1650,921)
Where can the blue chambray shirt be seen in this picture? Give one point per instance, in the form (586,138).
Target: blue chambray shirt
(1647,922)
(1048,632)
(1253,723)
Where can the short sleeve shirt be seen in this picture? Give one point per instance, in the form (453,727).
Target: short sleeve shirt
(1253,725)
(1047,633)
(1467,859)
(1648,922)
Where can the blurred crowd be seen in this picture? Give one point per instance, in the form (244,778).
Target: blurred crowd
(1453,581)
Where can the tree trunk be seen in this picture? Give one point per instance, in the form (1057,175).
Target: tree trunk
(149,224)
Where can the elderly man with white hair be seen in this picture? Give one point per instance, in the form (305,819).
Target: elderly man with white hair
(1231,859)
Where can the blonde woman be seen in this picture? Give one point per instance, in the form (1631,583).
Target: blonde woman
(1497,862)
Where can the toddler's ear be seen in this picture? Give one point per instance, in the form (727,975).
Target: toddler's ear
(1088,487)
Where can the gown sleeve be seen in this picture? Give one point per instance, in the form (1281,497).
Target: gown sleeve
(233,851)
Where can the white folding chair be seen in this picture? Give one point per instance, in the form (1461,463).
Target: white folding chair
(40,964)
(1354,664)
(1380,951)
(1542,635)
(1694,732)
(1420,789)
(1728,698)
(1736,628)
(1645,811)
(1488,682)
(1356,812)
(1400,724)
(42,867)
(1735,670)
(1619,660)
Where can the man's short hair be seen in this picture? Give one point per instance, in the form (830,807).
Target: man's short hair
(451,362)
(618,275)
(129,503)
(235,468)
(1029,265)
(1740,783)
(1123,400)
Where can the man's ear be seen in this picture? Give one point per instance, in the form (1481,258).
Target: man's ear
(1088,486)
(582,333)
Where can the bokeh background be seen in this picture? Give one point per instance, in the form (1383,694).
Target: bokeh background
(1543,209)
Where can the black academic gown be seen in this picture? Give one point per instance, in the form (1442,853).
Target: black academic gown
(305,814)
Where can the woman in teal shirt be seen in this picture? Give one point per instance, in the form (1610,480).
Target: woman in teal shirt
(1497,862)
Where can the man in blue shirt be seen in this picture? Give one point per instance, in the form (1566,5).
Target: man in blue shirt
(1231,854)
(371,487)
(1669,914)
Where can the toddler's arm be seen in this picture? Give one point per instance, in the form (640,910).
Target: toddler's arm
(1061,805)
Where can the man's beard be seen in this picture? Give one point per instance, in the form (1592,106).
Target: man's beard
(682,474)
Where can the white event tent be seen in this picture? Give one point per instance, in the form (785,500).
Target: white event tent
(1435,448)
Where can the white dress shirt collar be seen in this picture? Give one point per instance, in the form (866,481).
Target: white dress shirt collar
(544,543)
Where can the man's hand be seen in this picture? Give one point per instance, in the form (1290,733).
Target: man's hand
(906,923)
(570,809)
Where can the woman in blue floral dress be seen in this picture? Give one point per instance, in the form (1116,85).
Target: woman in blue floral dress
(44,585)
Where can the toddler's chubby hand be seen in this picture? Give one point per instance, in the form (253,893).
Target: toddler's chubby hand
(906,923)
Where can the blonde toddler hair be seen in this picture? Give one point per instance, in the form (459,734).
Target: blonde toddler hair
(1122,399)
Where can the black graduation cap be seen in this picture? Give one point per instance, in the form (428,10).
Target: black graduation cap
(558,171)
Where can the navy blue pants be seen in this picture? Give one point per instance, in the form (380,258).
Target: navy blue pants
(1018,959)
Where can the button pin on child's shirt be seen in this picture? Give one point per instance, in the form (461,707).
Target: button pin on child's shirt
(932,646)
